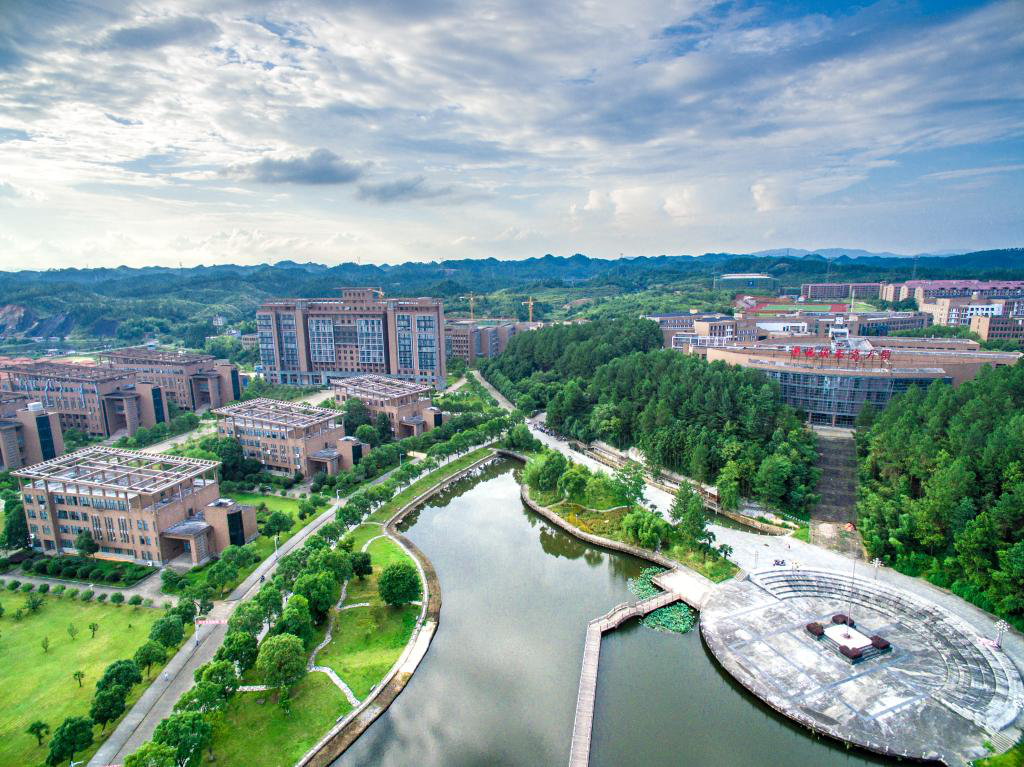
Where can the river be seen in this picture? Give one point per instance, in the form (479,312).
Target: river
(498,685)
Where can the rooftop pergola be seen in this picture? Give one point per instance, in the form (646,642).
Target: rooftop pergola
(64,371)
(144,354)
(278,413)
(378,387)
(110,468)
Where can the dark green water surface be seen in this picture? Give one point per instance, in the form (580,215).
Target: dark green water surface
(498,685)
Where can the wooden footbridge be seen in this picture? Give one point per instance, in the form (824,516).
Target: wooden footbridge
(679,585)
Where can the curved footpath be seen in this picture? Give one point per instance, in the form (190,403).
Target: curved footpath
(356,722)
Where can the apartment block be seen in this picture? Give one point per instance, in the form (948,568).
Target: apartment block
(827,291)
(407,405)
(999,328)
(926,291)
(191,381)
(144,507)
(290,437)
(95,399)
(960,311)
(308,340)
(471,340)
(28,433)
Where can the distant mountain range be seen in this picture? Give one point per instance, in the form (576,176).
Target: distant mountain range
(848,252)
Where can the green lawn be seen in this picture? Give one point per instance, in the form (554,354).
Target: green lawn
(45,688)
(424,483)
(1012,758)
(363,533)
(264,544)
(262,735)
(367,642)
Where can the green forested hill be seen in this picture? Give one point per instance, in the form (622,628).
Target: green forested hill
(942,488)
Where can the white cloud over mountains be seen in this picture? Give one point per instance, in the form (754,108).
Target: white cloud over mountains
(248,131)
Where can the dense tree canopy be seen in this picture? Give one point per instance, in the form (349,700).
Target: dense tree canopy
(942,487)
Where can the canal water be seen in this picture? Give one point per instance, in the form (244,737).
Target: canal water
(498,685)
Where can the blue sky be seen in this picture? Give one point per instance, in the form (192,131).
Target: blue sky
(246,132)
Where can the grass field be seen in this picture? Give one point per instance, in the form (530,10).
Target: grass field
(39,685)
(367,641)
(1012,758)
(263,735)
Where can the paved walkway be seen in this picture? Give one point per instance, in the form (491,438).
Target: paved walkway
(147,588)
(502,400)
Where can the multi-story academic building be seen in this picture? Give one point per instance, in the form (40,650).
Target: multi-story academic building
(831,382)
(94,399)
(999,328)
(291,437)
(191,381)
(308,340)
(406,404)
(960,311)
(145,507)
(470,340)
(28,432)
(926,291)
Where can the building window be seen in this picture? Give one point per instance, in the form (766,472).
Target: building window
(370,335)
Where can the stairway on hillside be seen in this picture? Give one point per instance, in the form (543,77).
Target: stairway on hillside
(837,488)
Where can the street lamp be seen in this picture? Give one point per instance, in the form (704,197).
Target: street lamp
(276,537)
(877,563)
(1001,627)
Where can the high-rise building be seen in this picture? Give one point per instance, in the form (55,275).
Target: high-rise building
(94,399)
(28,432)
(191,381)
(305,341)
(141,507)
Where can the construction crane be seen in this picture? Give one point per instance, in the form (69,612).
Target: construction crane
(472,300)
(377,291)
(530,305)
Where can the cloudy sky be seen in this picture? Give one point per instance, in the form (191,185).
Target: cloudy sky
(173,131)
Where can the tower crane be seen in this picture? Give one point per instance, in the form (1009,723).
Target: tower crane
(530,305)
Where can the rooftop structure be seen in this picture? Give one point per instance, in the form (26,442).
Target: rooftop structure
(191,381)
(66,371)
(131,471)
(308,340)
(279,413)
(407,408)
(149,354)
(29,433)
(374,388)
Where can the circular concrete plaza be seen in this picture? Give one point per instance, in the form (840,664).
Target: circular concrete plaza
(938,691)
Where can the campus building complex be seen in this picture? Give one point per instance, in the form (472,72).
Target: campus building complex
(471,340)
(290,437)
(191,381)
(838,291)
(97,400)
(308,340)
(406,404)
(961,311)
(926,291)
(831,380)
(999,328)
(28,433)
(144,507)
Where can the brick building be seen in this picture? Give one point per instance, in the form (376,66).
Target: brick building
(926,291)
(94,399)
(191,381)
(821,291)
(28,432)
(291,437)
(999,328)
(406,404)
(308,340)
(471,340)
(143,507)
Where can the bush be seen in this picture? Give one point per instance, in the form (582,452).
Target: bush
(117,599)
(27,587)
(72,594)
(97,573)
(39,566)
(135,600)
(148,603)
(87,595)
(101,597)
(14,585)
(43,588)
(59,589)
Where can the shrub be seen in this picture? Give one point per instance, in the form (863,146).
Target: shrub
(27,587)
(148,603)
(72,593)
(14,585)
(101,597)
(87,595)
(43,588)
(117,598)
(54,566)
(58,590)
(135,600)
(40,566)
(97,573)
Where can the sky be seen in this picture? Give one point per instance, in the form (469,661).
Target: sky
(159,133)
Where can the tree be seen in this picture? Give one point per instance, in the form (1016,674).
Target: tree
(366,433)
(383,426)
(107,705)
(45,644)
(79,676)
(33,603)
(15,533)
(151,754)
(688,512)
(629,484)
(356,415)
(72,631)
(220,574)
(203,697)
(361,564)
(93,628)
(220,673)
(38,730)
(320,590)
(573,483)
(121,673)
(645,528)
(149,653)
(86,544)
(240,649)
(398,584)
(73,736)
(167,631)
(296,619)
(278,522)
(188,733)
(282,661)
